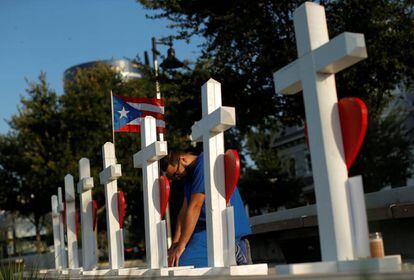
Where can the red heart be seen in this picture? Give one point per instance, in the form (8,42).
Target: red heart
(231,172)
(121,208)
(94,213)
(353,114)
(354,122)
(77,222)
(64,213)
(164,194)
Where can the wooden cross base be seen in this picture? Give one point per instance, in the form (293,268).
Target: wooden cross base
(390,263)
(238,270)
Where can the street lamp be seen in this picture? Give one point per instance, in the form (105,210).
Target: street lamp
(171,62)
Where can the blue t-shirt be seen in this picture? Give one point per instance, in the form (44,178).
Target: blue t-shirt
(194,183)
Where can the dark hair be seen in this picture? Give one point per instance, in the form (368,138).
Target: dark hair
(171,159)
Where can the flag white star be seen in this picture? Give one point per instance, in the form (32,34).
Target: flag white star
(123,113)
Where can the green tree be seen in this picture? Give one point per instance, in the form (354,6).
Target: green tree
(33,155)
(246,41)
(385,155)
(275,185)
(245,53)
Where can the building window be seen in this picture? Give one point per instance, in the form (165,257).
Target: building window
(308,163)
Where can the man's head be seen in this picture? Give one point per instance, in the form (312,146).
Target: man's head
(175,163)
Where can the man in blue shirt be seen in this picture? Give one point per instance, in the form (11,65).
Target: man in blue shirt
(189,244)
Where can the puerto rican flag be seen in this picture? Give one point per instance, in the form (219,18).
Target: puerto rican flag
(129,113)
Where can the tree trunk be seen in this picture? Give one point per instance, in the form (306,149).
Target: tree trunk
(38,237)
(13,218)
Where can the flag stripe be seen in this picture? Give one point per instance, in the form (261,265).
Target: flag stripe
(155,115)
(136,129)
(147,107)
(153,101)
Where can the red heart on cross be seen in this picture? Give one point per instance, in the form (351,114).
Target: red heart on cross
(231,172)
(164,194)
(94,213)
(121,208)
(353,114)
(64,213)
(77,222)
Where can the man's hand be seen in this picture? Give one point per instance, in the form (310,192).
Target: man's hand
(173,245)
(174,254)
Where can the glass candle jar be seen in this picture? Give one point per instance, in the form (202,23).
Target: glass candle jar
(376,245)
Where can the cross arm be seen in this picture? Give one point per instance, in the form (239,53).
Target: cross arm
(150,153)
(219,120)
(341,52)
(85,184)
(287,79)
(110,173)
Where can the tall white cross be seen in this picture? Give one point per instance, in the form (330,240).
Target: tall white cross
(62,230)
(73,255)
(85,185)
(215,120)
(56,232)
(314,73)
(147,159)
(108,177)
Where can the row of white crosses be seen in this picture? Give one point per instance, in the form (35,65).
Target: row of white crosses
(89,251)
(71,259)
(313,73)
(155,229)
(220,221)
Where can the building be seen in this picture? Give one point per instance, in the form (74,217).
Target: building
(127,68)
(18,235)
(293,150)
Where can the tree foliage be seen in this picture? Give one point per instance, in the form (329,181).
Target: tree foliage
(386,154)
(245,42)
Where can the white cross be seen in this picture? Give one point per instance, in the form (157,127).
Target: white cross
(318,60)
(147,159)
(73,257)
(62,230)
(85,185)
(108,177)
(216,119)
(56,232)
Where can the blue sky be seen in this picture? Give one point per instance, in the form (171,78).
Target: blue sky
(53,35)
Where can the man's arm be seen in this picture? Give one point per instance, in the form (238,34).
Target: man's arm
(187,226)
(178,226)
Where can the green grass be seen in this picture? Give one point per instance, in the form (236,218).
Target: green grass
(17,271)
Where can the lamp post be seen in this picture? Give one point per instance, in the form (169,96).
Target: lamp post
(171,62)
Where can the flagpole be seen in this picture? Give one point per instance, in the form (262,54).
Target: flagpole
(112,115)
